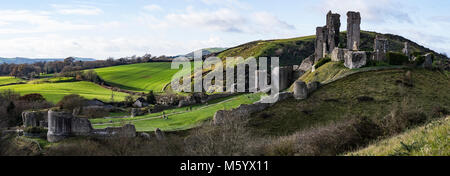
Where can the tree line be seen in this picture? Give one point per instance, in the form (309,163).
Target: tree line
(71,65)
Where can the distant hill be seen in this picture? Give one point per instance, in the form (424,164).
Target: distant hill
(22,60)
(205,52)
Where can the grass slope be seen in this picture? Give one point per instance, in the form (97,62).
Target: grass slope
(290,51)
(180,118)
(4,80)
(428,140)
(293,51)
(139,77)
(54,92)
(339,100)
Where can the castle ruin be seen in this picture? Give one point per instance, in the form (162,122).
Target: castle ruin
(353,30)
(327,37)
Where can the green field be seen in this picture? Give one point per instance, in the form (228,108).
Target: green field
(429,140)
(180,118)
(4,80)
(54,92)
(139,77)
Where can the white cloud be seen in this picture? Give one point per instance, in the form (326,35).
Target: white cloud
(153,8)
(373,11)
(221,20)
(24,21)
(77,9)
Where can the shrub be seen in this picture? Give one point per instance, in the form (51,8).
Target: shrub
(397,58)
(322,61)
(35,130)
(151,98)
(71,102)
(32,98)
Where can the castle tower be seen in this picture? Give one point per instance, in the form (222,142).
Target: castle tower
(333,27)
(353,30)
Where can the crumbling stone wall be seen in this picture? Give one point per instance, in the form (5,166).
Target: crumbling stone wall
(380,48)
(327,37)
(59,125)
(353,30)
(34,118)
(62,125)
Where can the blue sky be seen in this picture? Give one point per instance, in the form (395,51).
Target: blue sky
(117,28)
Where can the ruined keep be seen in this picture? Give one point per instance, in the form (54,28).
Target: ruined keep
(62,125)
(327,37)
(353,30)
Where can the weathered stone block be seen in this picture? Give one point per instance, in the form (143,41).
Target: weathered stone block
(307,63)
(337,54)
(355,59)
(300,90)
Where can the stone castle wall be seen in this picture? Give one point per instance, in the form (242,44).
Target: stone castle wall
(62,125)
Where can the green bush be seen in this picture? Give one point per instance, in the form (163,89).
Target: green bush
(372,63)
(397,58)
(322,61)
(420,60)
(35,130)
(71,102)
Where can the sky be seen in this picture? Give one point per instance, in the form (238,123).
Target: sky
(117,28)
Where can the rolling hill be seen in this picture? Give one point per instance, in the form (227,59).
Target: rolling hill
(54,92)
(139,77)
(5,80)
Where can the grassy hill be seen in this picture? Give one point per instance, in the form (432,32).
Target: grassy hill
(370,94)
(293,51)
(5,80)
(205,52)
(139,77)
(180,118)
(290,51)
(54,92)
(428,140)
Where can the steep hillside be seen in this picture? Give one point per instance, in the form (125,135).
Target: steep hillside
(428,140)
(370,94)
